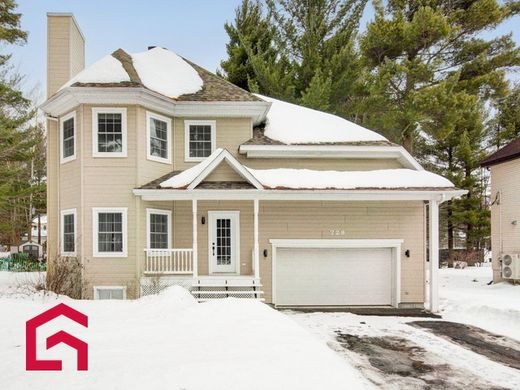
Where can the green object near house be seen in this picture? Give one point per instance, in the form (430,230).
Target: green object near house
(21,262)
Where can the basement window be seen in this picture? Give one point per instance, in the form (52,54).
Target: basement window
(109,292)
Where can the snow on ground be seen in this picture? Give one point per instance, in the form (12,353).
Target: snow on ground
(466,297)
(165,72)
(293,124)
(171,341)
(106,70)
(384,178)
(494,308)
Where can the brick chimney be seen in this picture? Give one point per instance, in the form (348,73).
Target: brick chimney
(65,50)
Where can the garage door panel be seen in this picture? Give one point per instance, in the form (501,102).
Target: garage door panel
(335,277)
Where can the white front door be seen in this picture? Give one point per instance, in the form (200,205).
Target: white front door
(223,245)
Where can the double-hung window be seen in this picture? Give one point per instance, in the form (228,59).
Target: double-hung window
(158,130)
(109,132)
(109,231)
(158,226)
(68,137)
(199,139)
(68,232)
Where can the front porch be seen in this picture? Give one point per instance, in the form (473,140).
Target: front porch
(223,259)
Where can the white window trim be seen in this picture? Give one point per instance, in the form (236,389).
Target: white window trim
(168,214)
(187,125)
(124,131)
(149,117)
(95,231)
(65,118)
(97,288)
(63,213)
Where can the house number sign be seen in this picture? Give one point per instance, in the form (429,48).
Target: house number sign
(336,232)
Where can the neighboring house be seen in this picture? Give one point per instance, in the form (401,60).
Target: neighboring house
(41,226)
(504,167)
(161,173)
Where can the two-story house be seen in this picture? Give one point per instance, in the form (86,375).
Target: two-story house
(162,173)
(504,168)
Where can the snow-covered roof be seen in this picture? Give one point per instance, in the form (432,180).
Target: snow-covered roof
(162,71)
(165,72)
(293,124)
(288,178)
(191,177)
(106,70)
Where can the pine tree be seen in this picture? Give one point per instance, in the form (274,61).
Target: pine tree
(413,45)
(505,126)
(311,58)
(253,33)
(17,136)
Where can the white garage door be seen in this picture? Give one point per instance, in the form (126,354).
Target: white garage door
(335,277)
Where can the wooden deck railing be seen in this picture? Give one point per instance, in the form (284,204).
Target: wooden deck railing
(169,261)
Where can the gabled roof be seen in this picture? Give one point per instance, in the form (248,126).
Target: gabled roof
(192,177)
(297,179)
(509,152)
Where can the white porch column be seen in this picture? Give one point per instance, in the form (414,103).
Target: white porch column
(195,225)
(433,211)
(256,254)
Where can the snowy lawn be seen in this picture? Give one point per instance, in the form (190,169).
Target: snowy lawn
(463,300)
(169,341)
(465,297)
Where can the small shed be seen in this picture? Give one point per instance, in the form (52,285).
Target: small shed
(34,249)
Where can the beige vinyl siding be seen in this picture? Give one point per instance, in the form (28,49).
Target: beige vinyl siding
(65,52)
(314,220)
(505,237)
(321,164)
(224,172)
(230,134)
(77,49)
(108,182)
(182,234)
(52,190)
(149,170)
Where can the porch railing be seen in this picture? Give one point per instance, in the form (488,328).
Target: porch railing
(169,261)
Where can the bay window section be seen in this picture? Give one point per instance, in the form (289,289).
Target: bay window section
(158,138)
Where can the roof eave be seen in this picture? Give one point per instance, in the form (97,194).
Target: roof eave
(440,195)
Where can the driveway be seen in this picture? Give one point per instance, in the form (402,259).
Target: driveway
(414,353)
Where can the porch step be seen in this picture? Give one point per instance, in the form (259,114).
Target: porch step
(205,289)
(226,292)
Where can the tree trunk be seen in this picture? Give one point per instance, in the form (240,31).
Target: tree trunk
(39,230)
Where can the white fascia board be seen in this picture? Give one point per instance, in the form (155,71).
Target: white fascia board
(336,243)
(323,195)
(332,151)
(235,165)
(70,97)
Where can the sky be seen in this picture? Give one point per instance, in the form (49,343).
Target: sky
(194,29)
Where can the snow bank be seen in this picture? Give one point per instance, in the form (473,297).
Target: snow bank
(171,341)
(293,124)
(106,70)
(165,72)
(184,178)
(384,178)
(466,297)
